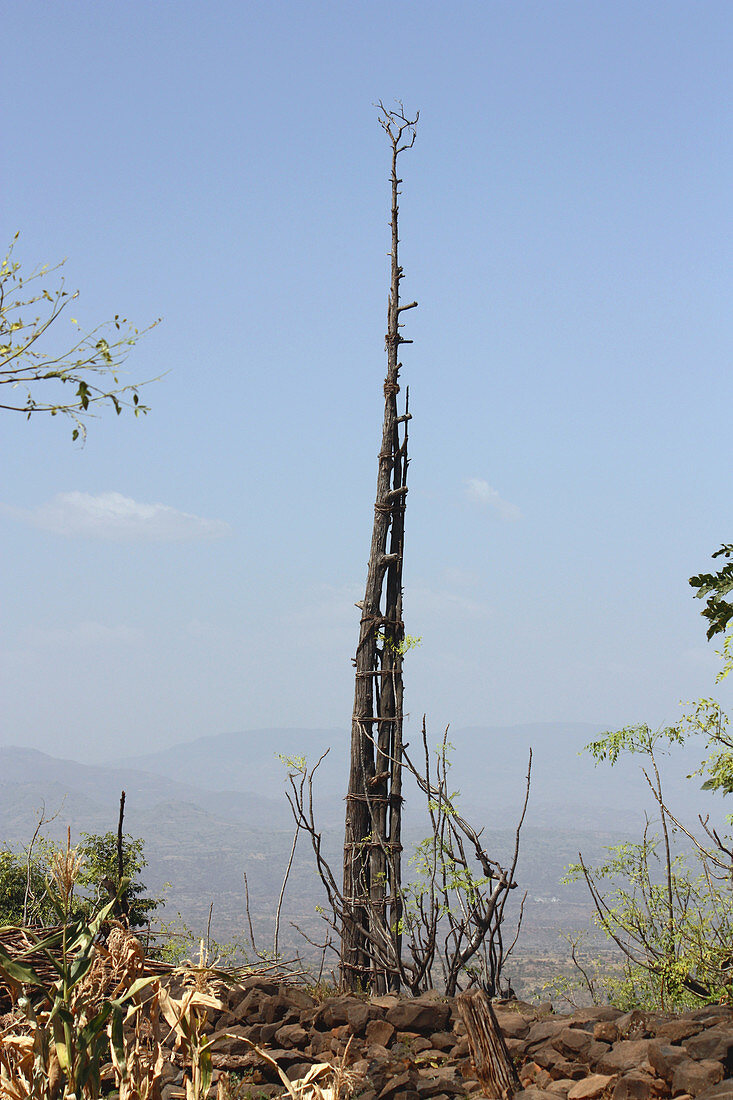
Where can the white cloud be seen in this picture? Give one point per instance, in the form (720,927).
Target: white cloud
(481,493)
(114,517)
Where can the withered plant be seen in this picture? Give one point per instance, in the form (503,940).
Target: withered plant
(68,1022)
(452,914)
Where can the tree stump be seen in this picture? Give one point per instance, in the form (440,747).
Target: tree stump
(495,1070)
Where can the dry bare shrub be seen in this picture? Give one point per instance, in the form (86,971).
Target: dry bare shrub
(328,1080)
(117,963)
(138,1075)
(17,1059)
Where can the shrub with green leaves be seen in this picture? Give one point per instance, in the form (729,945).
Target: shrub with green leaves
(24,875)
(99,875)
(23,889)
(666,900)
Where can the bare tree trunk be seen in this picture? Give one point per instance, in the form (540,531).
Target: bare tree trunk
(495,1070)
(372,838)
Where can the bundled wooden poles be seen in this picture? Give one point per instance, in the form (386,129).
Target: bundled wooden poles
(372,890)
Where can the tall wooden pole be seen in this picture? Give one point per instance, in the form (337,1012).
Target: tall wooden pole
(372,840)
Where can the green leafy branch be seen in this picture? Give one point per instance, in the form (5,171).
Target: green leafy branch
(82,373)
(718,611)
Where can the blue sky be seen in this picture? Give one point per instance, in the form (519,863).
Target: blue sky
(567,232)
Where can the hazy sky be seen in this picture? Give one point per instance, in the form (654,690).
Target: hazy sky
(566,225)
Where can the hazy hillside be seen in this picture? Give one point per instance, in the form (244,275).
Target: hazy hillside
(202,839)
(91,794)
(489,768)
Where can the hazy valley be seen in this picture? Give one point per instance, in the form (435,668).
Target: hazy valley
(214,809)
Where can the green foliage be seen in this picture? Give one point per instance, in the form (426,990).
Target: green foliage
(95,883)
(718,611)
(631,739)
(589,974)
(72,382)
(453,904)
(462,887)
(296,765)
(708,718)
(20,879)
(669,911)
(704,718)
(98,876)
(409,641)
(676,968)
(178,943)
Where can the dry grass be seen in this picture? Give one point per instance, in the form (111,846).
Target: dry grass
(328,1081)
(134,1019)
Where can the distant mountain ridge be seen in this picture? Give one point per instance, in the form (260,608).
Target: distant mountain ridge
(90,794)
(489,769)
(214,809)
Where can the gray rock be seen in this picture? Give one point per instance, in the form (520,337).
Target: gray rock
(400,1082)
(535,1094)
(432,1082)
(674,1031)
(418,1015)
(268,988)
(379,1031)
(343,1010)
(722,1091)
(635,1025)
(544,1030)
(586,1017)
(591,1087)
(580,1046)
(291,1035)
(298,1070)
(275,1008)
(716,1043)
(623,1057)
(550,1059)
(444,1040)
(635,1086)
(707,1015)
(561,1087)
(696,1077)
(606,1031)
(298,998)
(513,1026)
(665,1058)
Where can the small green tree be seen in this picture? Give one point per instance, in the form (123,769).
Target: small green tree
(24,880)
(73,382)
(669,911)
(71,1027)
(98,877)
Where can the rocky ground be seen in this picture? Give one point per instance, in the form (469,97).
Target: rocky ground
(416,1049)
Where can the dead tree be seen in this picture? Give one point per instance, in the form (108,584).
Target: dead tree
(372,838)
(492,1062)
(453,910)
(454,913)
